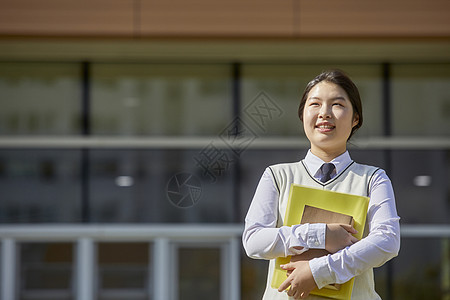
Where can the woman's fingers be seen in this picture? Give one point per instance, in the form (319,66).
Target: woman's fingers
(349,228)
(339,236)
(284,285)
(304,295)
(288,266)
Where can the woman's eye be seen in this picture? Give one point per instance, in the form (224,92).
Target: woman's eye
(337,104)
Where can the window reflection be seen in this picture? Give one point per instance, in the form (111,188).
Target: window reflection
(132,186)
(40,99)
(155,99)
(253,164)
(123,271)
(196,281)
(40,186)
(423,279)
(46,271)
(253,277)
(284,85)
(421,99)
(421,203)
(147,198)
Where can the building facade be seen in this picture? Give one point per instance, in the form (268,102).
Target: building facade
(133,134)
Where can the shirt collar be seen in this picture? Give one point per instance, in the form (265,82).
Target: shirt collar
(313,163)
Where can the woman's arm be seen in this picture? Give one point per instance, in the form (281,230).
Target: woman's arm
(263,240)
(381,244)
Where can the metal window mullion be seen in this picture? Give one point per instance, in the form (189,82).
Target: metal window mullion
(225,276)
(445,267)
(85,264)
(235,268)
(387,132)
(237,103)
(8,269)
(162,281)
(174,268)
(230,270)
(85,131)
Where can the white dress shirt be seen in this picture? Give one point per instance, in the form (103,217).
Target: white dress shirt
(263,240)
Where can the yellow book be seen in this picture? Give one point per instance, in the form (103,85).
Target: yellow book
(353,207)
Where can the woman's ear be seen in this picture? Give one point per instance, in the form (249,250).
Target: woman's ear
(355,120)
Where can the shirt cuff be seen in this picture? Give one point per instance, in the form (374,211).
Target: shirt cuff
(321,272)
(316,236)
(308,236)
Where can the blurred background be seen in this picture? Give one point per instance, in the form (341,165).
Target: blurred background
(133,134)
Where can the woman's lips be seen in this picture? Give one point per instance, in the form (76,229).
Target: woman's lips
(325,127)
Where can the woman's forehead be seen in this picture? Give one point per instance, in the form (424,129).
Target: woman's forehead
(327,90)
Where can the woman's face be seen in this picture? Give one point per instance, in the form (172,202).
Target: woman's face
(328,119)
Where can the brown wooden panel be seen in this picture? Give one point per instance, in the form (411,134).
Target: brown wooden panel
(234,18)
(384,18)
(63,17)
(217,17)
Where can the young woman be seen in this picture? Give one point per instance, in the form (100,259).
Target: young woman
(331,112)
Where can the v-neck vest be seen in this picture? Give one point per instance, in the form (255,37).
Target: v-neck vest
(355,179)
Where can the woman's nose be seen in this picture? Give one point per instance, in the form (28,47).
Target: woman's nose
(325,112)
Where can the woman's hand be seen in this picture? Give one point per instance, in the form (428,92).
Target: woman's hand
(300,279)
(299,275)
(339,236)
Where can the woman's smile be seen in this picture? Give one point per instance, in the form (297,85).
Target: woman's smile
(325,127)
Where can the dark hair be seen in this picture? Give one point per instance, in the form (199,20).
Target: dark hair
(341,79)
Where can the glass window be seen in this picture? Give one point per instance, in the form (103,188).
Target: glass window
(123,271)
(368,157)
(421,99)
(253,277)
(40,98)
(160,186)
(40,186)
(157,99)
(425,278)
(253,164)
(382,277)
(46,271)
(271,95)
(421,188)
(195,280)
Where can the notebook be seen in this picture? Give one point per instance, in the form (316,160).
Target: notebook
(310,205)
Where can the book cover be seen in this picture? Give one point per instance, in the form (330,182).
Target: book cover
(310,205)
(313,215)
